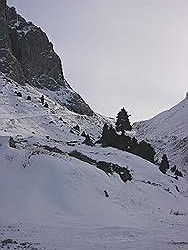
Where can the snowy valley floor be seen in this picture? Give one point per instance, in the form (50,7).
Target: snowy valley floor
(73,236)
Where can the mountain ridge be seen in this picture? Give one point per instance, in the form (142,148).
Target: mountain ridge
(168,133)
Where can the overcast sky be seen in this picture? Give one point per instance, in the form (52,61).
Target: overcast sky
(115,53)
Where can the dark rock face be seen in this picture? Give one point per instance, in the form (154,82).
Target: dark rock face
(31,47)
(27,55)
(2,4)
(8,63)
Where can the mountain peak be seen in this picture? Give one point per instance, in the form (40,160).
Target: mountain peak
(27,56)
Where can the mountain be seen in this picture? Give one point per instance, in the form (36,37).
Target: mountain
(168,133)
(27,56)
(56,192)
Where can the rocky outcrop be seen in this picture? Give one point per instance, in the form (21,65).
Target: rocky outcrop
(2,5)
(27,55)
(31,47)
(8,63)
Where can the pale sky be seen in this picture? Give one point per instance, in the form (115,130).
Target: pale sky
(115,53)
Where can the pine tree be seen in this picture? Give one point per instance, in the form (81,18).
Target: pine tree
(133,147)
(19,94)
(28,98)
(46,105)
(104,132)
(83,134)
(122,122)
(164,165)
(110,137)
(173,169)
(146,151)
(178,173)
(88,141)
(77,128)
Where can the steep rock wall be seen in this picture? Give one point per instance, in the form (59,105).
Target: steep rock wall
(27,55)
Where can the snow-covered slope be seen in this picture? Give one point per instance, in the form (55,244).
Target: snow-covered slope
(51,200)
(168,133)
(28,117)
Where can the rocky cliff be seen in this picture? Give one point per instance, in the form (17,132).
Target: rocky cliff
(8,63)
(27,56)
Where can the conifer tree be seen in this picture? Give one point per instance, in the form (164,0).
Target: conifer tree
(146,151)
(77,128)
(104,131)
(164,165)
(83,134)
(173,169)
(46,105)
(122,122)
(133,146)
(88,141)
(178,173)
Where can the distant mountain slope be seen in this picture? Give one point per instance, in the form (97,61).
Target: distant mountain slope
(168,133)
(27,55)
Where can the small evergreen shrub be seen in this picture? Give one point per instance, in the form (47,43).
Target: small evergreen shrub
(173,169)
(19,94)
(164,165)
(107,167)
(83,134)
(178,173)
(77,128)
(125,175)
(28,98)
(46,105)
(82,157)
(12,143)
(53,149)
(88,141)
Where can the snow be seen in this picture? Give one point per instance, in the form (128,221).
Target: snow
(168,133)
(49,200)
